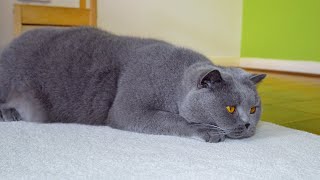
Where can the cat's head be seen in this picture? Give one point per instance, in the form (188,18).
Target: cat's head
(226,98)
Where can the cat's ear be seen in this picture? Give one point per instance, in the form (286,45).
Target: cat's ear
(209,79)
(256,78)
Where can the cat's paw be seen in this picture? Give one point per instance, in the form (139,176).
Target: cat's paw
(213,136)
(207,133)
(9,115)
(1,116)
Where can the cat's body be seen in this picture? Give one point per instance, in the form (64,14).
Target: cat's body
(84,75)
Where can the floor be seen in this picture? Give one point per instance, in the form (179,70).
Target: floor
(292,101)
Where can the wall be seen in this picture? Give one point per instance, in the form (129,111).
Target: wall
(281,29)
(212,27)
(6,22)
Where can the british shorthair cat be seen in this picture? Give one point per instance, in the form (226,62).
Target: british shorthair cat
(88,76)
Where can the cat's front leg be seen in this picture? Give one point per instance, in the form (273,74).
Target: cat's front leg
(162,123)
(151,122)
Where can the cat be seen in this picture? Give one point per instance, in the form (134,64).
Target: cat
(89,76)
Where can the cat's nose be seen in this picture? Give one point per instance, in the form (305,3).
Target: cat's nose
(247,125)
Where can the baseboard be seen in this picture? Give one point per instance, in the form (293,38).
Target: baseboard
(304,67)
(274,65)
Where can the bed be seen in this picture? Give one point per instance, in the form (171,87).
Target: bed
(73,151)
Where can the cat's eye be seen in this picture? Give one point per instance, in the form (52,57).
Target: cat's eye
(253,110)
(231,109)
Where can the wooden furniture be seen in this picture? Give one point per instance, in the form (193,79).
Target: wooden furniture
(31,16)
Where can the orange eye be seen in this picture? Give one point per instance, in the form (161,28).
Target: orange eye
(231,109)
(253,110)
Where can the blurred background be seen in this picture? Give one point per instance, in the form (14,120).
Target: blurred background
(277,37)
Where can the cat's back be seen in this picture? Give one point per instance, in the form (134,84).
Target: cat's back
(41,42)
(48,52)
(54,35)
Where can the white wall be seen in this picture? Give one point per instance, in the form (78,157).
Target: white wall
(212,27)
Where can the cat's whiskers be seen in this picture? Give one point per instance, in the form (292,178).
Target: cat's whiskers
(214,127)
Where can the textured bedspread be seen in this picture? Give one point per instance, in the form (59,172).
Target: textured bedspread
(71,151)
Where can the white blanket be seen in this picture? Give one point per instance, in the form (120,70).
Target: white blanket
(71,151)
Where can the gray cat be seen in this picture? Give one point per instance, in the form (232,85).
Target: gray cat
(85,75)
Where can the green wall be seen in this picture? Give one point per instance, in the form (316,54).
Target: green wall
(281,29)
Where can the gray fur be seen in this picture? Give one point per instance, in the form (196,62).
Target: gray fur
(85,75)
